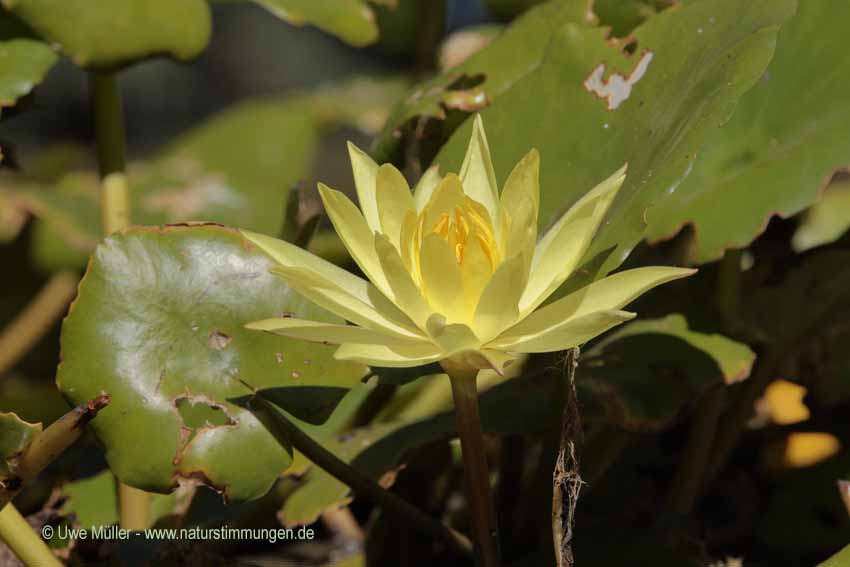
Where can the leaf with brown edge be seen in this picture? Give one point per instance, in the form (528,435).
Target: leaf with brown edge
(159,323)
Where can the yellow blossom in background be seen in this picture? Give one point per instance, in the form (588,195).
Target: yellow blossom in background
(455,270)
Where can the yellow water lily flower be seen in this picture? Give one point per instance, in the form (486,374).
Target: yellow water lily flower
(455,271)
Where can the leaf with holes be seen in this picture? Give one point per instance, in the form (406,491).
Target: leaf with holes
(158,324)
(105,33)
(23,64)
(642,376)
(592,106)
(785,140)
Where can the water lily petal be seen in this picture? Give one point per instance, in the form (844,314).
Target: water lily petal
(612,292)
(567,335)
(394,356)
(327,333)
(425,187)
(521,204)
(559,251)
(451,338)
(355,234)
(333,288)
(441,277)
(476,172)
(368,308)
(475,272)
(444,199)
(499,305)
(394,201)
(408,297)
(407,240)
(365,171)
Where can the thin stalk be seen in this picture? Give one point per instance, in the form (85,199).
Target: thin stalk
(287,433)
(23,541)
(134,507)
(37,318)
(484,527)
(108,122)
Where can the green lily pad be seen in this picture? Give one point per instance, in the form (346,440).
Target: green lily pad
(23,64)
(158,324)
(353,21)
(782,145)
(236,169)
(645,374)
(827,220)
(592,105)
(105,33)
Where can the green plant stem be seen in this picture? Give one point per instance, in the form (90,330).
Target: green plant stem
(108,122)
(484,527)
(287,433)
(37,318)
(134,507)
(23,541)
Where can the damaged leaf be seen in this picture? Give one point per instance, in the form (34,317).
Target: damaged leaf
(141,328)
(781,147)
(712,51)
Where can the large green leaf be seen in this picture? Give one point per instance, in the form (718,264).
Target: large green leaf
(236,169)
(23,64)
(105,33)
(158,324)
(782,145)
(351,20)
(645,374)
(592,106)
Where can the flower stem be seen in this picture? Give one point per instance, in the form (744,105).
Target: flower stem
(484,528)
(23,541)
(288,433)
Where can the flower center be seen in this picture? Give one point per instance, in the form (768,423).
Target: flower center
(467,226)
